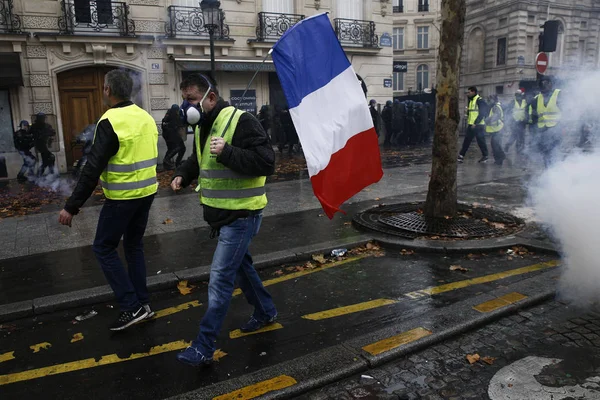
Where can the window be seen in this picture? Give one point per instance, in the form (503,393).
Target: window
(583,24)
(398,38)
(475,50)
(556,58)
(423,5)
(422,77)
(530,49)
(350,9)
(501,52)
(503,22)
(423,37)
(277,6)
(6,125)
(100,12)
(398,6)
(582,51)
(531,19)
(398,78)
(499,89)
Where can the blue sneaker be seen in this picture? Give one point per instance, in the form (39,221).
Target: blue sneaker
(191,356)
(253,324)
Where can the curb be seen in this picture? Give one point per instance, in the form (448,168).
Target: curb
(98,294)
(332,364)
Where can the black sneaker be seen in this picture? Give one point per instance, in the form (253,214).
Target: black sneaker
(460,159)
(128,318)
(483,160)
(148,310)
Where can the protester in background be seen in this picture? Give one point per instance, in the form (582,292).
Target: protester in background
(494,124)
(387,117)
(476,114)
(519,112)
(44,135)
(171,126)
(23,141)
(374,115)
(398,117)
(546,114)
(264,118)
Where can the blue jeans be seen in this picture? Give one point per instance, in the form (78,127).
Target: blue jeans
(125,219)
(29,161)
(230,261)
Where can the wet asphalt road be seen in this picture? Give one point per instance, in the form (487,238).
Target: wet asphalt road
(33,349)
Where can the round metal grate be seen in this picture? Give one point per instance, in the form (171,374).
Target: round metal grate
(407,221)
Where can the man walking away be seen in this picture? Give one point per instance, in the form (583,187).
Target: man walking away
(476,112)
(43,134)
(232,158)
(519,111)
(494,125)
(387,116)
(171,125)
(23,141)
(124,157)
(546,113)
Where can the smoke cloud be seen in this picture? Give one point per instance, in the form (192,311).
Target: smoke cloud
(566,196)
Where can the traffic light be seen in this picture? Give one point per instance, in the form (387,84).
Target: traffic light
(550,36)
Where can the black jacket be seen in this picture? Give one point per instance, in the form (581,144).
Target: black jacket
(106,145)
(43,134)
(23,140)
(250,153)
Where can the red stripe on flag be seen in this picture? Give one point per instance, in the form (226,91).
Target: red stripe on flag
(349,171)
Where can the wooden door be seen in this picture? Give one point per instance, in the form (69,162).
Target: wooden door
(81,104)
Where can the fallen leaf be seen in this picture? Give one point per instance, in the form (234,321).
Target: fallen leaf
(167,221)
(447,217)
(458,268)
(509,258)
(498,225)
(488,360)
(319,258)
(370,246)
(77,337)
(473,358)
(278,272)
(377,199)
(405,252)
(485,220)
(184,287)
(347,223)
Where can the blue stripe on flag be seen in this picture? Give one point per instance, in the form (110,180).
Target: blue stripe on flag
(307,57)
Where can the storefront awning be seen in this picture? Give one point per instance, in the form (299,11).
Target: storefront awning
(10,73)
(189,64)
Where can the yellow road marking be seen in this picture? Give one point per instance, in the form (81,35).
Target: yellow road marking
(7,356)
(37,347)
(499,302)
(175,309)
(92,363)
(77,337)
(482,279)
(258,389)
(396,341)
(238,333)
(336,312)
(298,274)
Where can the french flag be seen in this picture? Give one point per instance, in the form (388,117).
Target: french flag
(329,111)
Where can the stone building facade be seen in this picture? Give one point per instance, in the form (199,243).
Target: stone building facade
(416,38)
(502,39)
(59,51)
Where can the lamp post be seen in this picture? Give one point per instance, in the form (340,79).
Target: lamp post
(211,12)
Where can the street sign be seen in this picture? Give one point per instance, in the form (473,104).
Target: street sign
(400,66)
(520,61)
(386,40)
(541,63)
(387,83)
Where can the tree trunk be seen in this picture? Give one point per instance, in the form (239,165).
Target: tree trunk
(442,197)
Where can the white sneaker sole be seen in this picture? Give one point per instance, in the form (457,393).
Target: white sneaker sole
(133,321)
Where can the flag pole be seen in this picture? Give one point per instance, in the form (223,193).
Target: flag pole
(247,88)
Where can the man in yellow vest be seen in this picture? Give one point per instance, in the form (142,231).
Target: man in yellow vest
(123,157)
(546,115)
(520,114)
(477,111)
(232,157)
(494,125)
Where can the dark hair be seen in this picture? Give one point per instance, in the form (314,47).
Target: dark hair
(202,82)
(472,89)
(120,84)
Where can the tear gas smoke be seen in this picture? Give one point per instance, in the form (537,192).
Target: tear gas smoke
(566,196)
(55,183)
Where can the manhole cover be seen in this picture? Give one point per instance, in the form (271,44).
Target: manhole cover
(404,220)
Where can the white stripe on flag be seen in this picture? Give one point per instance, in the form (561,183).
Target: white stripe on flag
(328,117)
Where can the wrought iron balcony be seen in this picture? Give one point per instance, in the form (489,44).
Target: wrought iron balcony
(398,9)
(271,26)
(351,32)
(423,6)
(9,22)
(95,16)
(188,22)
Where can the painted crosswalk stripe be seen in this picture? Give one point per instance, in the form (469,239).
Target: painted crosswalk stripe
(500,302)
(336,312)
(260,388)
(238,333)
(401,339)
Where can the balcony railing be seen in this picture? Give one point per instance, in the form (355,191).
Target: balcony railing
(423,6)
(351,32)
(271,26)
(188,22)
(9,22)
(398,9)
(95,16)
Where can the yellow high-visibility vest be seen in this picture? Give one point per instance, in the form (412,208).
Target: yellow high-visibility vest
(519,113)
(473,111)
(499,124)
(548,115)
